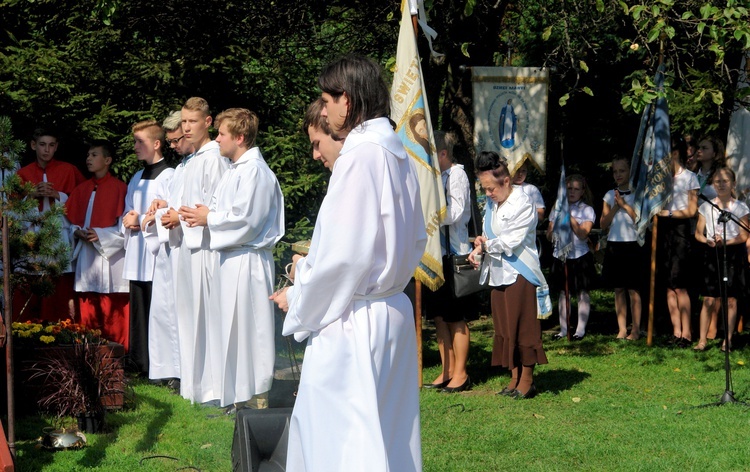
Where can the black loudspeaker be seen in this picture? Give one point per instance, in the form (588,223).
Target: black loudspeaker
(260,440)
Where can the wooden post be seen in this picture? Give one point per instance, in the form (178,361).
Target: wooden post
(8,317)
(567,299)
(418,327)
(652,287)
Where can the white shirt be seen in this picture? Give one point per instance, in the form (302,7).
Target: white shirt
(711,215)
(622,228)
(458,209)
(533,192)
(514,225)
(582,213)
(683,182)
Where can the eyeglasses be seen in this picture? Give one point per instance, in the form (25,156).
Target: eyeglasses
(175,140)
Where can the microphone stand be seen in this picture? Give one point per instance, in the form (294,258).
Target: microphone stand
(724,217)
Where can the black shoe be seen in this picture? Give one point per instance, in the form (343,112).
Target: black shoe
(464,386)
(559,336)
(439,386)
(578,338)
(506,391)
(174,385)
(520,396)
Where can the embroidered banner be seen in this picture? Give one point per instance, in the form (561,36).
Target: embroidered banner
(412,116)
(510,113)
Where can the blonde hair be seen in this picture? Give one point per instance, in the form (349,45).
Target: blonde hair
(240,122)
(197,104)
(153,128)
(173,122)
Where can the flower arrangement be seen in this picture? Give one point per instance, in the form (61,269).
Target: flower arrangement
(30,334)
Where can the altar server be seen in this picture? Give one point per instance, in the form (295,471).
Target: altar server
(94,209)
(53,181)
(358,402)
(164,239)
(148,184)
(245,219)
(194,267)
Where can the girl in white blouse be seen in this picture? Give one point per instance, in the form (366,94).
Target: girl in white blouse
(712,233)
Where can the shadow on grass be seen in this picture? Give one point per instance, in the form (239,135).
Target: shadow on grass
(557,381)
(163,413)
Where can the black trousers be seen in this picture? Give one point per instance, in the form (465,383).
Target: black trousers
(140,303)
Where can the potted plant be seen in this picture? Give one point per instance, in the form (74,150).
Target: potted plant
(76,382)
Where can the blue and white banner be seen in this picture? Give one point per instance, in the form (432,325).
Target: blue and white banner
(650,169)
(562,233)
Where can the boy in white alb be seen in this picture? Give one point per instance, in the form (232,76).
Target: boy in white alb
(147,184)
(196,261)
(163,335)
(245,219)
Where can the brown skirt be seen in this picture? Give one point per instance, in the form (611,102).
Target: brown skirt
(518,333)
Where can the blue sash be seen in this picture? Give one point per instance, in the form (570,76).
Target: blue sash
(513,259)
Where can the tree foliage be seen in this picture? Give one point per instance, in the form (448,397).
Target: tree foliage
(94,67)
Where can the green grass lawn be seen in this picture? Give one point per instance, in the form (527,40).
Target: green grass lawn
(603,405)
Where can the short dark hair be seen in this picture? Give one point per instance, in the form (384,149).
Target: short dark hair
(108,149)
(362,81)
(491,161)
(39,132)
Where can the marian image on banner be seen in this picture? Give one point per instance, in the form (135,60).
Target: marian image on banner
(510,113)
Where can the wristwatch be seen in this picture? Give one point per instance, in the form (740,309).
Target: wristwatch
(670,213)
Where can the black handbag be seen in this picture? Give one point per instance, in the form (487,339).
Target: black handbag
(460,275)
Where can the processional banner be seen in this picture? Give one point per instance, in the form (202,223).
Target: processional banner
(411,114)
(510,113)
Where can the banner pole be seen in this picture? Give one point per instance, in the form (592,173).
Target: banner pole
(567,299)
(418,287)
(652,285)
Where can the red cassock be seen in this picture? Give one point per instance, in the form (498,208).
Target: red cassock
(108,312)
(64,178)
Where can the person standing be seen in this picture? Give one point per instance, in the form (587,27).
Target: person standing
(194,268)
(624,259)
(357,406)
(95,210)
(581,272)
(148,184)
(711,231)
(245,219)
(519,178)
(675,242)
(450,314)
(53,182)
(164,238)
(508,244)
